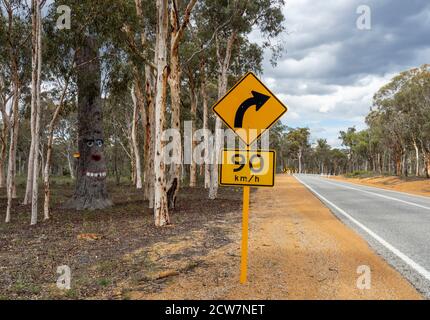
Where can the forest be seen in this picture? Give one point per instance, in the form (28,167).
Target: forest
(395,142)
(112,149)
(88,89)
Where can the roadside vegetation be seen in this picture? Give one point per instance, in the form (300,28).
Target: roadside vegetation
(87,89)
(396,142)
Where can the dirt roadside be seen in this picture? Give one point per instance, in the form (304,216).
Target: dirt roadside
(297,250)
(413,185)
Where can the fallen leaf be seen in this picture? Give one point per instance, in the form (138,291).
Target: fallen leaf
(89,236)
(166,274)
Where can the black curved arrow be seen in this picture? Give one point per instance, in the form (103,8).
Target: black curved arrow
(258,100)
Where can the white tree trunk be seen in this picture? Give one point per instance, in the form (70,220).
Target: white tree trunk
(175,96)
(11,172)
(138,167)
(161,211)
(3,149)
(35,178)
(47,168)
(205,125)
(300,161)
(149,174)
(223,64)
(417,157)
(193,165)
(177,31)
(70,165)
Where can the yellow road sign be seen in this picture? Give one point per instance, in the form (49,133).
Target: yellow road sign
(247,168)
(249,108)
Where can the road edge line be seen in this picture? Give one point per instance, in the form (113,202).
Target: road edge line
(379,195)
(411,263)
(379,188)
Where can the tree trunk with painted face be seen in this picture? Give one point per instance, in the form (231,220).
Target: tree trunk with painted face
(90,192)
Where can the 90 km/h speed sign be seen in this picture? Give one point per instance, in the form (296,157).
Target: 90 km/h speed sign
(247,168)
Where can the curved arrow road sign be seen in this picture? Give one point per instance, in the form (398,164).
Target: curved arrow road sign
(249,108)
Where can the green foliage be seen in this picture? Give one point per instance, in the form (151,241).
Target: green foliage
(359,174)
(298,139)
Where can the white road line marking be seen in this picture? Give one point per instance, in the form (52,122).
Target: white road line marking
(378,195)
(383,189)
(411,263)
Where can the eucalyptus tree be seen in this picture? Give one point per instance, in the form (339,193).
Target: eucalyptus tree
(36,110)
(90,32)
(393,120)
(178,25)
(298,143)
(322,154)
(14,56)
(231,20)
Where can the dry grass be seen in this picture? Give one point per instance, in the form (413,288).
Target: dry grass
(127,248)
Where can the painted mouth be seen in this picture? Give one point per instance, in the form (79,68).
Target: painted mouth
(96,174)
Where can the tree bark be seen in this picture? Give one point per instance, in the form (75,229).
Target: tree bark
(14,118)
(138,167)
(161,211)
(205,123)
(175,96)
(398,162)
(90,191)
(14,127)
(34,83)
(417,158)
(149,173)
(47,168)
(71,166)
(4,132)
(426,155)
(299,156)
(37,114)
(223,65)
(3,141)
(176,35)
(193,99)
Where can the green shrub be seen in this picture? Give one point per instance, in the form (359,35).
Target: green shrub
(359,174)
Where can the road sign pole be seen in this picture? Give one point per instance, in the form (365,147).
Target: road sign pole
(244,258)
(252,98)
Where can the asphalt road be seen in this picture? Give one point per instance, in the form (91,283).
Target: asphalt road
(396,225)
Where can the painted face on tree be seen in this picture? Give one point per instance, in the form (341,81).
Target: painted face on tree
(95,168)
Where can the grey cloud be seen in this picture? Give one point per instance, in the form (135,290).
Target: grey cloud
(331,69)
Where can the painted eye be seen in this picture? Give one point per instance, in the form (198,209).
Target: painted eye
(99,142)
(90,144)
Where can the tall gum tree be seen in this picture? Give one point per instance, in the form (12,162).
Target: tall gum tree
(161,210)
(36,104)
(176,35)
(232,20)
(14,32)
(91,190)
(5,97)
(137,106)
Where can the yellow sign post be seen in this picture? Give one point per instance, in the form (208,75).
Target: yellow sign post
(249,109)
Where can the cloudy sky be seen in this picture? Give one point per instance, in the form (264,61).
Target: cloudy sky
(331,68)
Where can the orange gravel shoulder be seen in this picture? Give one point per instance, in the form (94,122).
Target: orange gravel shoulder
(297,250)
(418,186)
